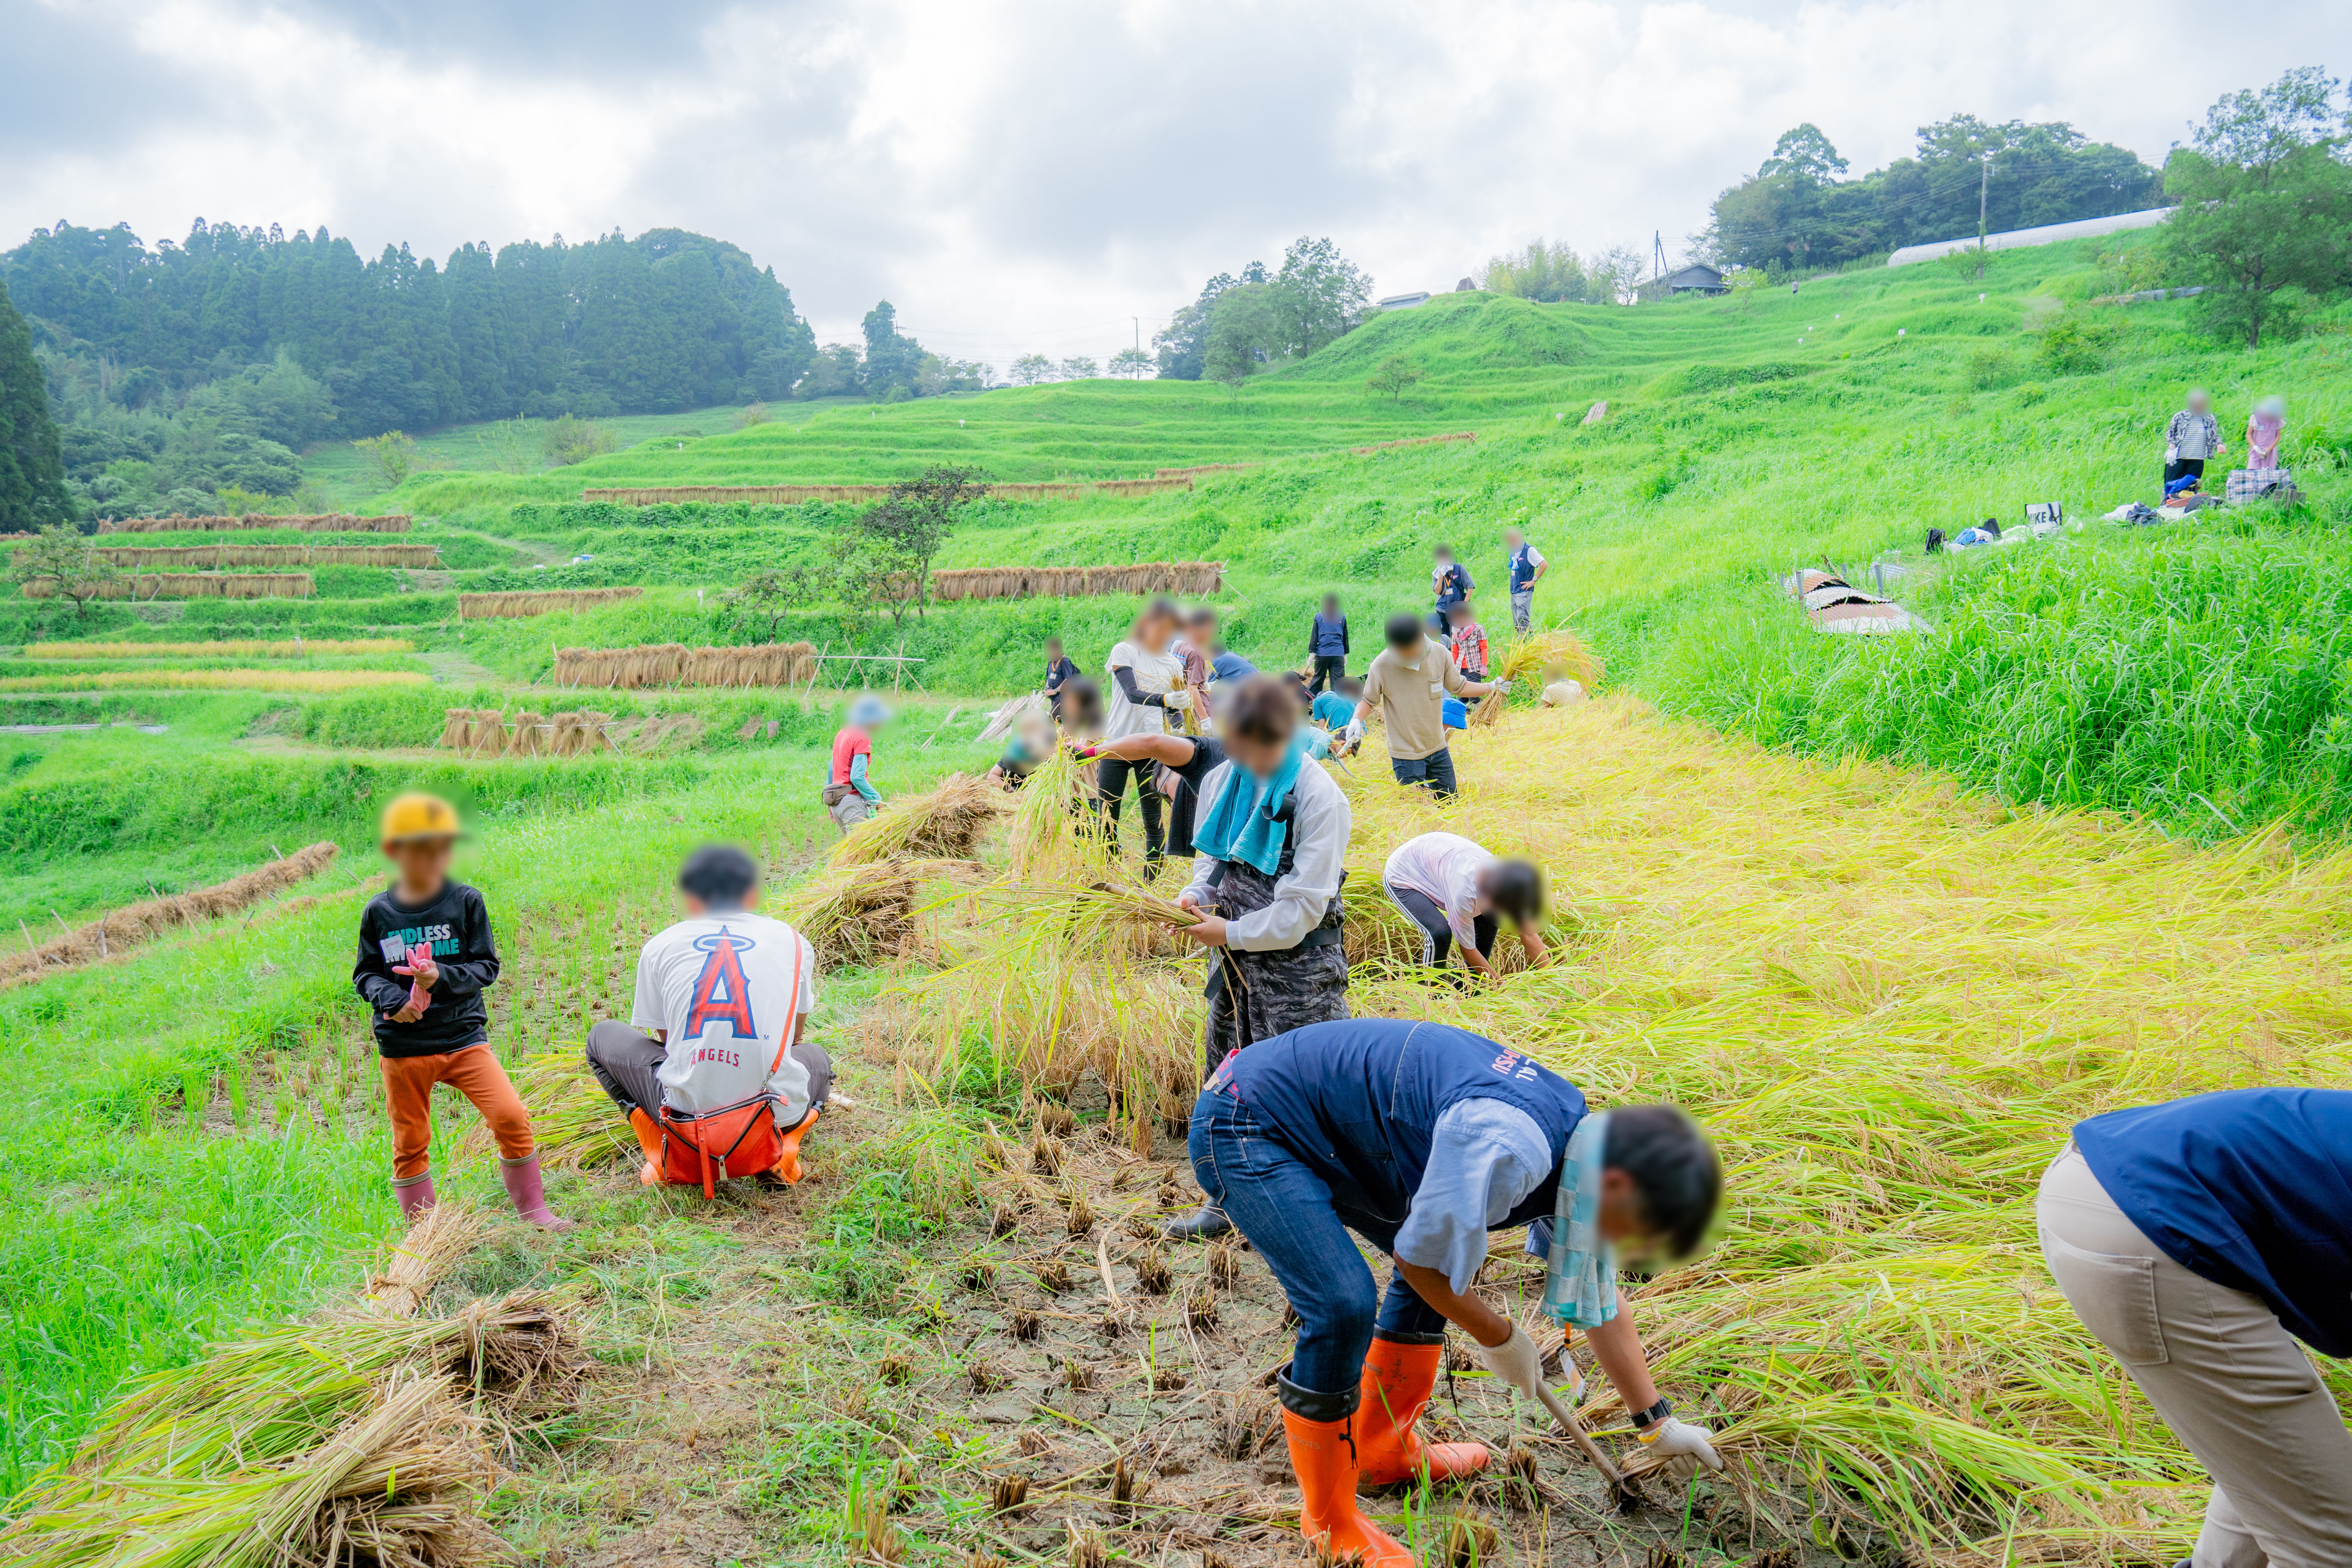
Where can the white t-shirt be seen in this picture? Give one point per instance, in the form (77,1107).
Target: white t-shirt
(724,991)
(1485,1157)
(1443,868)
(1154,672)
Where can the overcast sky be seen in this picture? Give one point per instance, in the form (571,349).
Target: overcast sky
(1030,176)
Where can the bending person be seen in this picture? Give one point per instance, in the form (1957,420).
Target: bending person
(1346,1127)
(721,1019)
(1454,890)
(2199,1241)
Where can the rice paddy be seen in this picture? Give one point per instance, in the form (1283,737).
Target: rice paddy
(227,648)
(1888,1001)
(317,681)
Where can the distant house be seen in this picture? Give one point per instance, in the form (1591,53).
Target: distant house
(1405,301)
(1698,278)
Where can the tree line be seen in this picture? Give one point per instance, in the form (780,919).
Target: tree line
(1243,323)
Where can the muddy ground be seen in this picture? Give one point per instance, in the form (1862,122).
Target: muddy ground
(1040,1379)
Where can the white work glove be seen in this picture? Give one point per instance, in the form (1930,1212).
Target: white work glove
(1676,1439)
(1353,734)
(1179,702)
(1516,1361)
(1500,686)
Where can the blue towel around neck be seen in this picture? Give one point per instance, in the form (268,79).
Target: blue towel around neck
(1240,823)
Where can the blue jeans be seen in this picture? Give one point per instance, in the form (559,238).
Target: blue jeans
(1436,770)
(1300,1227)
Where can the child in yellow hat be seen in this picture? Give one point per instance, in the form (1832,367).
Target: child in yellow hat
(426,956)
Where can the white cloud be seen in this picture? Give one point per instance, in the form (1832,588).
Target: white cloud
(1033,175)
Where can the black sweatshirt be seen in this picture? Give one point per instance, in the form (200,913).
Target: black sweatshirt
(458,925)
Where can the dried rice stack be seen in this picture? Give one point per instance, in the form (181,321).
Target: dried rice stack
(944,824)
(519,605)
(487,736)
(321,522)
(194,585)
(417,556)
(674,664)
(127,927)
(531,735)
(455,724)
(1188,577)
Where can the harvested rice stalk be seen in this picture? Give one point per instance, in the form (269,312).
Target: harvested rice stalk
(573,1122)
(944,824)
(1053,831)
(860,914)
(392,1484)
(434,1245)
(135,923)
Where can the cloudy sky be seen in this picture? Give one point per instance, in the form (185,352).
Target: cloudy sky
(1034,176)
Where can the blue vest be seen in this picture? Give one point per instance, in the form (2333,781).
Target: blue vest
(1523,571)
(1330,638)
(1358,1101)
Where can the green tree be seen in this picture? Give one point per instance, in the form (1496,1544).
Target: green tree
(1392,375)
(1078,367)
(61,556)
(1242,334)
(570,440)
(882,557)
(393,456)
(1130,364)
(761,601)
(1550,273)
(1030,369)
(2265,207)
(1318,296)
(32,463)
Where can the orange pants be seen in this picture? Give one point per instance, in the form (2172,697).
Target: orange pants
(475,1073)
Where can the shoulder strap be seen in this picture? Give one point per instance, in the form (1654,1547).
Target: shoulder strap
(792,1014)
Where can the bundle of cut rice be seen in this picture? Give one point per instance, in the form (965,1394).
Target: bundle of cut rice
(859,914)
(944,824)
(455,724)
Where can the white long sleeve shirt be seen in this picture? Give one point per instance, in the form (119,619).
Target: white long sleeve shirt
(1319,835)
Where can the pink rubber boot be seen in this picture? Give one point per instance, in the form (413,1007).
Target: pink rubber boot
(522,1177)
(415,1195)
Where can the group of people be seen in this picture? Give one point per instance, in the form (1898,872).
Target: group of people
(2192,438)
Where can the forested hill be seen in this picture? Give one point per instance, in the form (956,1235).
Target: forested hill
(666,320)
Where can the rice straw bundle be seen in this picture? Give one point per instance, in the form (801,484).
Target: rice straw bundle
(525,603)
(447,1231)
(126,928)
(194,585)
(945,824)
(323,522)
(156,556)
(573,1122)
(301,648)
(1057,828)
(219,680)
(860,914)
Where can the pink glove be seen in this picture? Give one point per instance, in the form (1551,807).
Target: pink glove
(420,995)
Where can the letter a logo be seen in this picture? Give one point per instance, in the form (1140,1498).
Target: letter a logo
(719,994)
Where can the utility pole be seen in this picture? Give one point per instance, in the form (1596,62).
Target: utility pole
(1657,254)
(1984,191)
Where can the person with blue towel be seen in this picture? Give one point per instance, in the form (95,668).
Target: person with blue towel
(1421,1138)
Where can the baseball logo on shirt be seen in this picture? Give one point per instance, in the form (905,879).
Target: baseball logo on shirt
(719,994)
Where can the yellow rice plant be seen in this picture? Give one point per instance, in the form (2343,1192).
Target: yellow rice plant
(220,680)
(235,648)
(945,824)
(1888,1000)
(573,1122)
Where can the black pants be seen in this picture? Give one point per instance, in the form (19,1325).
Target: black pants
(624,1062)
(1437,935)
(1329,670)
(1114,775)
(1435,770)
(2176,467)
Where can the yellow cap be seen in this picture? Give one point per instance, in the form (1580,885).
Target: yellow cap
(418,816)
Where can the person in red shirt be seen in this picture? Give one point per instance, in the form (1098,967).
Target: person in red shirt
(1470,653)
(850,796)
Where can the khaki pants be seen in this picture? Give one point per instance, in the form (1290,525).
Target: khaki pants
(2231,1383)
(849,810)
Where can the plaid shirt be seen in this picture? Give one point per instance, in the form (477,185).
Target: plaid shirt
(2185,424)
(1470,648)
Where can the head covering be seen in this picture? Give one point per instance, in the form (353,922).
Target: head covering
(868,711)
(418,816)
(1250,820)
(1580,1272)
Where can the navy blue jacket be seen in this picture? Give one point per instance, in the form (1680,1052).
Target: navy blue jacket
(1357,1100)
(2250,1188)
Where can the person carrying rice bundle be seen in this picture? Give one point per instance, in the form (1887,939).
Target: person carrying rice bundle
(716,1054)
(1454,890)
(1407,688)
(1421,1137)
(850,796)
(2199,1241)
(1270,846)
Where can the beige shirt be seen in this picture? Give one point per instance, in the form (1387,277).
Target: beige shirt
(1410,698)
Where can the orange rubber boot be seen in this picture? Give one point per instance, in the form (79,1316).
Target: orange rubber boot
(1399,1375)
(787,1162)
(649,1139)
(1327,1495)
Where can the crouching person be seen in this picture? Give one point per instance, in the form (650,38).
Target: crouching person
(2199,1241)
(1347,1126)
(713,1069)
